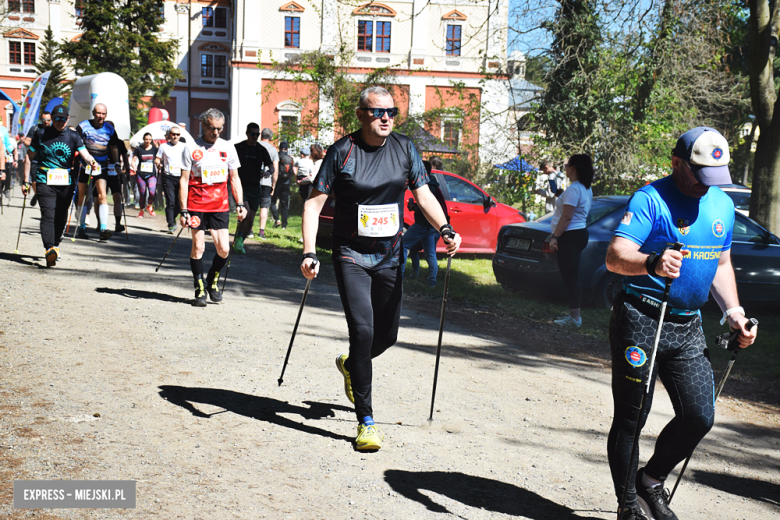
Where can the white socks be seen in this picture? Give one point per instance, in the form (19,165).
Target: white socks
(103,214)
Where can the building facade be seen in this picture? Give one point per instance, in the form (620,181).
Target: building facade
(437,49)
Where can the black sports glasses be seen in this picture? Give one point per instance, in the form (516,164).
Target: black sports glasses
(175,135)
(60,118)
(379,112)
(254,134)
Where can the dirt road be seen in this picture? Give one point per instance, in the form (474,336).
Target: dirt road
(108,373)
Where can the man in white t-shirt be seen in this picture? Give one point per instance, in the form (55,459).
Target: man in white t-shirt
(203,193)
(552,183)
(304,173)
(169,157)
(268,180)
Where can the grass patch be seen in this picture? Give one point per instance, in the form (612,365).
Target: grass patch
(472,283)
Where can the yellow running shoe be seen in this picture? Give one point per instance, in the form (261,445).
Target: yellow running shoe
(369,437)
(341,365)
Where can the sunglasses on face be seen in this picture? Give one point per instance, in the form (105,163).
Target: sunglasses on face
(60,119)
(175,135)
(380,112)
(254,134)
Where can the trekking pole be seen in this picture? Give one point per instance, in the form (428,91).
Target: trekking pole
(297,320)
(729,341)
(677,246)
(441,330)
(81,209)
(24,203)
(124,215)
(169,249)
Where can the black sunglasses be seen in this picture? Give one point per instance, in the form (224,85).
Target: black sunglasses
(379,112)
(175,135)
(254,134)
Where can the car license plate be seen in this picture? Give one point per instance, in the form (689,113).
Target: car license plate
(519,243)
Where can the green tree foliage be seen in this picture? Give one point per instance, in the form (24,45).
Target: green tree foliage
(123,37)
(49,60)
(626,80)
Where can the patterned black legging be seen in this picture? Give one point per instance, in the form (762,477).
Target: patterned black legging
(683,364)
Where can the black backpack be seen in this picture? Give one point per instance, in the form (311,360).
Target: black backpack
(285,168)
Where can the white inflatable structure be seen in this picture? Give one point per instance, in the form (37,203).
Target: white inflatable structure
(106,88)
(158,131)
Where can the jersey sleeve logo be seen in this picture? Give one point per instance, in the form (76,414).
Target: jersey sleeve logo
(718,228)
(627,216)
(636,356)
(197,155)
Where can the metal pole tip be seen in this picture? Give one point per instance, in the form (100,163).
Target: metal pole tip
(280,381)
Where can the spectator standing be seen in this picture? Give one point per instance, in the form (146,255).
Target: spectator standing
(553,185)
(285,166)
(423,233)
(304,171)
(569,231)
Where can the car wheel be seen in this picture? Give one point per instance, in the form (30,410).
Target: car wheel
(608,289)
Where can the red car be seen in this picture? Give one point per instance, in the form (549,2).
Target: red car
(474,214)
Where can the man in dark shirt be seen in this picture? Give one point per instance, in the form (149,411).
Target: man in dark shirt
(367,172)
(54,150)
(256,164)
(45,123)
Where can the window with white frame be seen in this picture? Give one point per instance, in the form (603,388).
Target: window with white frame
(21,6)
(21,53)
(373,36)
(289,119)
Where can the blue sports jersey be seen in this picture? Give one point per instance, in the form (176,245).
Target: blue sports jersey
(96,140)
(657,216)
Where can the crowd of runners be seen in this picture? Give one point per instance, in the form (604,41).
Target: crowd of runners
(655,330)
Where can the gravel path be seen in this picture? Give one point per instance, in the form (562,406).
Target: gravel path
(108,373)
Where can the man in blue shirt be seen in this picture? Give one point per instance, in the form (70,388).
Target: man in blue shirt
(684,207)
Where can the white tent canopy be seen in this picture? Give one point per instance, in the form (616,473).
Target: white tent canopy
(158,131)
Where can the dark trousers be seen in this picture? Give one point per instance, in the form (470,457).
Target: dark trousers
(171,189)
(54,202)
(372,306)
(683,364)
(282,196)
(570,246)
(304,190)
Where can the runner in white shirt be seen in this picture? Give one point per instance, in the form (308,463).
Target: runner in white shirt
(203,192)
(169,158)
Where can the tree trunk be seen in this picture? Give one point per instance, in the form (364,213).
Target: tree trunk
(764,201)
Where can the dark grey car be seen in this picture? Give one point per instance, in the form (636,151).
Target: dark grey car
(523,257)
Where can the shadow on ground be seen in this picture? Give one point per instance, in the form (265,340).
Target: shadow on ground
(144,295)
(767,492)
(255,407)
(476,492)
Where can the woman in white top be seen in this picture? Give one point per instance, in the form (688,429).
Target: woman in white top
(569,231)
(304,173)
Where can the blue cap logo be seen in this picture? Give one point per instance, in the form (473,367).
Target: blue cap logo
(717,153)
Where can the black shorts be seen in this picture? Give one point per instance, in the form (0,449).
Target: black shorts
(265,196)
(112,182)
(210,220)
